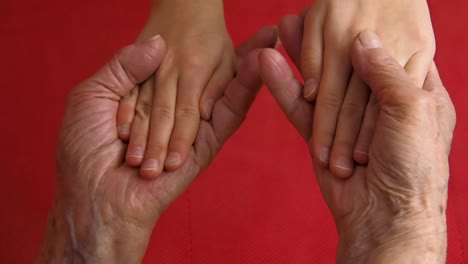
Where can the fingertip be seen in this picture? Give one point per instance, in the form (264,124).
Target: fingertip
(342,166)
(322,155)
(124,131)
(341,172)
(157,43)
(366,40)
(311,89)
(361,157)
(173,161)
(150,168)
(135,155)
(286,22)
(206,108)
(369,40)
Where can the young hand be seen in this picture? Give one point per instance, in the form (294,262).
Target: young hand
(161,117)
(345,109)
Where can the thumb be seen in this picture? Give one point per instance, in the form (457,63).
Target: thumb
(381,72)
(130,66)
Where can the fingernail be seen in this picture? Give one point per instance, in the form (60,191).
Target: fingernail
(361,152)
(173,159)
(324,155)
(343,164)
(124,129)
(369,40)
(310,86)
(150,164)
(135,152)
(153,38)
(209,107)
(278,40)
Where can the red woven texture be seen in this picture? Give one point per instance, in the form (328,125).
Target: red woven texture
(259,201)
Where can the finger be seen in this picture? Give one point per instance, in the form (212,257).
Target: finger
(161,122)
(140,126)
(286,90)
(364,140)
(418,65)
(187,115)
(265,37)
(380,71)
(333,84)
(313,50)
(222,76)
(131,66)
(290,30)
(126,113)
(433,81)
(445,109)
(230,111)
(304,12)
(348,127)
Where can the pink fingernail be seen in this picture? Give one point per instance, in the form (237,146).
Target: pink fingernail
(173,158)
(310,86)
(136,152)
(324,155)
(369,40)
(343,164)
(209,107)
(124,129)
(154,37)
(150,164)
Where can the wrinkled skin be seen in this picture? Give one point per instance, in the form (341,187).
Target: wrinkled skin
(393,208)
(104,211)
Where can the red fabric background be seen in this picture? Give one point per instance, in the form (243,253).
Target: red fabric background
(259,201)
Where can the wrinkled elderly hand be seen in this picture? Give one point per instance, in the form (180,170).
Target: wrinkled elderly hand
(393,209)
(103,211)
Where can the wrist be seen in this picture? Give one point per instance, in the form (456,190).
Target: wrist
(184,3)
(172,18)
(396,241)
(81,236)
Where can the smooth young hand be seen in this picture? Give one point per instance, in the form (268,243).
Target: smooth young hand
(161,117)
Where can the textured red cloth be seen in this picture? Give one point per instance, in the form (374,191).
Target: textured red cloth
(259,201)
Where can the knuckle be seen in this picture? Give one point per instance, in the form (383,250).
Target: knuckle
(164,112)
(329,103)
(352,109)
(344,143)
(423,102)
(188,112)
(156,148)
(180,142)
(194,61)
(143,110)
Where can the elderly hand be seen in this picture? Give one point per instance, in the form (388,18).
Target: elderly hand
(393,209)
(103,211)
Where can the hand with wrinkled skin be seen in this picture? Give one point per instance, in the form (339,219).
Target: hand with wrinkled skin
(391,210)
(104,212)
